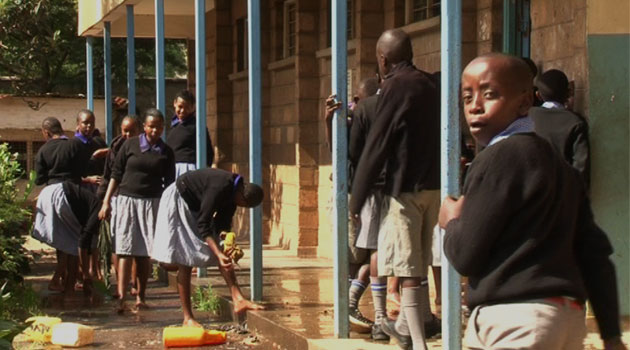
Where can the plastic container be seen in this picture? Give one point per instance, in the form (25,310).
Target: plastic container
(191,336)
(41,328)
(72,334)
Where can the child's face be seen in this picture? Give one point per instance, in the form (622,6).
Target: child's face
(128,129)
(153,128)
(182,108)
(85,124)
(490,98)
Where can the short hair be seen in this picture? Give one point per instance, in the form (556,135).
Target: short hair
(52,125)
(553,85)
(132,118)
(395,45)
(153,112)
(370,86)
(253,194)
(187,96)
(531,64)
(84,111)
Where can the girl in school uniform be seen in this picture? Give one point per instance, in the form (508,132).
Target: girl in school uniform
(182,137)
(193,212)
(144,166)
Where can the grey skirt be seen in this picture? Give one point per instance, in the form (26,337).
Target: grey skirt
(55,223)
(182,168)
(176,234)
(134,225)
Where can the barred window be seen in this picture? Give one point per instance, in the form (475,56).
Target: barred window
(419,10)
(290,24)
(241,44)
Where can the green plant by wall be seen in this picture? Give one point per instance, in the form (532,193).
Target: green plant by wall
(205,299)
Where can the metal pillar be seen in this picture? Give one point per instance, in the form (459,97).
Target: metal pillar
(89,72)
(160,76)
(509,26)
(131,62)
(451,58)
(107,52)
(200,87)
(340,160)
(255,144)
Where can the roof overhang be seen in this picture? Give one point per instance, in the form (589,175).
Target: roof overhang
(179,17)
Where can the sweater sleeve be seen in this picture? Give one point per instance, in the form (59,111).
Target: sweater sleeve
(169,172)
(581,151)
(212,199)
(209,149)
(593,253)
(492,193)
(41,169)
(377,147)
(118,169)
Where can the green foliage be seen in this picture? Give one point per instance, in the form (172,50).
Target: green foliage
(15,219)
(40,49)
(205,299)
(14,306)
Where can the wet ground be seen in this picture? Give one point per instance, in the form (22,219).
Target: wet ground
(141,330)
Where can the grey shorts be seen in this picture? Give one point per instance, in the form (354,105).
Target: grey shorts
(370,222)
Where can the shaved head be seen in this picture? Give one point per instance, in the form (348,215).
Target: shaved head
(511,71)
(393,47)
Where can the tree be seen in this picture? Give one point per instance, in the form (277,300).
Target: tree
(41,51)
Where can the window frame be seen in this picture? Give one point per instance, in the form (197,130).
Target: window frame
(287,25)
(429,10)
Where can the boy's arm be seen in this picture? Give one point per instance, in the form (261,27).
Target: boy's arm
(593,251)
(492,195)
(581,152)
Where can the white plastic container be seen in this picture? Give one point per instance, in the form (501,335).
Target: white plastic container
(72,334)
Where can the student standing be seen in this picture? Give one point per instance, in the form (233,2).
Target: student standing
(523,230)
(144,166)
(182,137)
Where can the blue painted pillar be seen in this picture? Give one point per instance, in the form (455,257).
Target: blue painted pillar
(200,87)
(451,61)
(131,62)
(107,52)
(255,144)
(89,72)
(340,160)
(160,76)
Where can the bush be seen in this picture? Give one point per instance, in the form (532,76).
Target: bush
(15,219)
(205,299)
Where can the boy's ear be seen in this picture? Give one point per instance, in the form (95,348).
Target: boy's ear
(527,101)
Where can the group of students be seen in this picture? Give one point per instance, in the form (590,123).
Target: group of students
(522,232)
(159,206)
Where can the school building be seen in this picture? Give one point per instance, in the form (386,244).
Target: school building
(587,39)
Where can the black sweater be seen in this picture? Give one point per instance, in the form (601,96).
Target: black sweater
(568,134)
(182,138)
(405,138)
(526,231)
(85,206)
(56,162)
(143,174)
(117,143)
(210,193)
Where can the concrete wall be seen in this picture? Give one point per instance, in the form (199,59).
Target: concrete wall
(608,46)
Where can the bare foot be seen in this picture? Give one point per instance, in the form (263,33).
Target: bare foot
(191,323)
(133,291)
(243,305)
(141,305)
(120,309)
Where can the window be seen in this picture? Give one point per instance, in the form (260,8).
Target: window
(241,44)
(419,10)
(36,146)
(290,24)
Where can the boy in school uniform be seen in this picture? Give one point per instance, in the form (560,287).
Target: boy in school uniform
(193,212)
(523,231)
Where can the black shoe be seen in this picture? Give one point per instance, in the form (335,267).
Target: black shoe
(378,334)
(357,319)
(389,327)
(432,327)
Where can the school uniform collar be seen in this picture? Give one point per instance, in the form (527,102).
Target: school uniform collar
(84,139)
(146,146)
(188,120)
(552,105)
(62,137)
(521,125)
(238,179)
